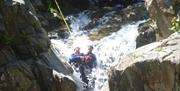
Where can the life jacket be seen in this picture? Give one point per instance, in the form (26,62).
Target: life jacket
(89,58)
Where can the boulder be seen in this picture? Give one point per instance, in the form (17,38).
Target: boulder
(18,77)
(27,62)
(162,11)
(147,34)
(154,67)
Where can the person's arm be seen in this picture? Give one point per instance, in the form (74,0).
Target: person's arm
(72,58)
(82,56)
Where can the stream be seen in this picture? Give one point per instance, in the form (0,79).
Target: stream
(108,49)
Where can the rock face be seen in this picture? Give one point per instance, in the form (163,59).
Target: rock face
(154,67)
(27,62)
(162,11)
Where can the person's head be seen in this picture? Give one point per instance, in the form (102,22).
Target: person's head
(77,50)
(90,48)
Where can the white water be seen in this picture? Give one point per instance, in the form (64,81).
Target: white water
(80,21)
(108,50)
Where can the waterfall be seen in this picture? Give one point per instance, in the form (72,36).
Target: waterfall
(108,50)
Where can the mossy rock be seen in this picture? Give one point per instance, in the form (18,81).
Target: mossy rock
(103,32)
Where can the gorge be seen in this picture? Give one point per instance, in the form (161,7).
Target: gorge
(30,61)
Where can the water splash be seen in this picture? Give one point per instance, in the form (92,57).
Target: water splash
(79,21)
(108,50)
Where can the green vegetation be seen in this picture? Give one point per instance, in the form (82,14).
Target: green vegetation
(55,8)
(175,24)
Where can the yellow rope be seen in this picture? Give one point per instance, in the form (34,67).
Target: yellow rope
(69,30)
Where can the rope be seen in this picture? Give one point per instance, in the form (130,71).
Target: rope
(69,30)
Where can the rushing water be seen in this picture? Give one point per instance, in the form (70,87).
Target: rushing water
(108,50)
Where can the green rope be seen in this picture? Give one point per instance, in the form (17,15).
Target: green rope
(69,30)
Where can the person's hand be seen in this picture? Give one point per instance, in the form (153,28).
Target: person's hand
(81,57)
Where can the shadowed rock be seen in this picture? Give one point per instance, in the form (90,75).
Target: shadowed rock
(27,62)
(147,34)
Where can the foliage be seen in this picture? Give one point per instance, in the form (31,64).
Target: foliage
(175,23)
(55,9)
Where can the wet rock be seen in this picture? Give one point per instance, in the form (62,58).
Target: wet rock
(50,80)
(154,67)
(58,63)
(112,21)
(64,83)
(147,34)
(162,11)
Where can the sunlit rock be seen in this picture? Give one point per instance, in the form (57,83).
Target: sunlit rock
(162,11)
(154,67)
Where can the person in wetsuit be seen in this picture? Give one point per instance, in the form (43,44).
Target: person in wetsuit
(76,59)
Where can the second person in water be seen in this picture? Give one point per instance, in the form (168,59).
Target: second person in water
(90,58)
(83,61)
